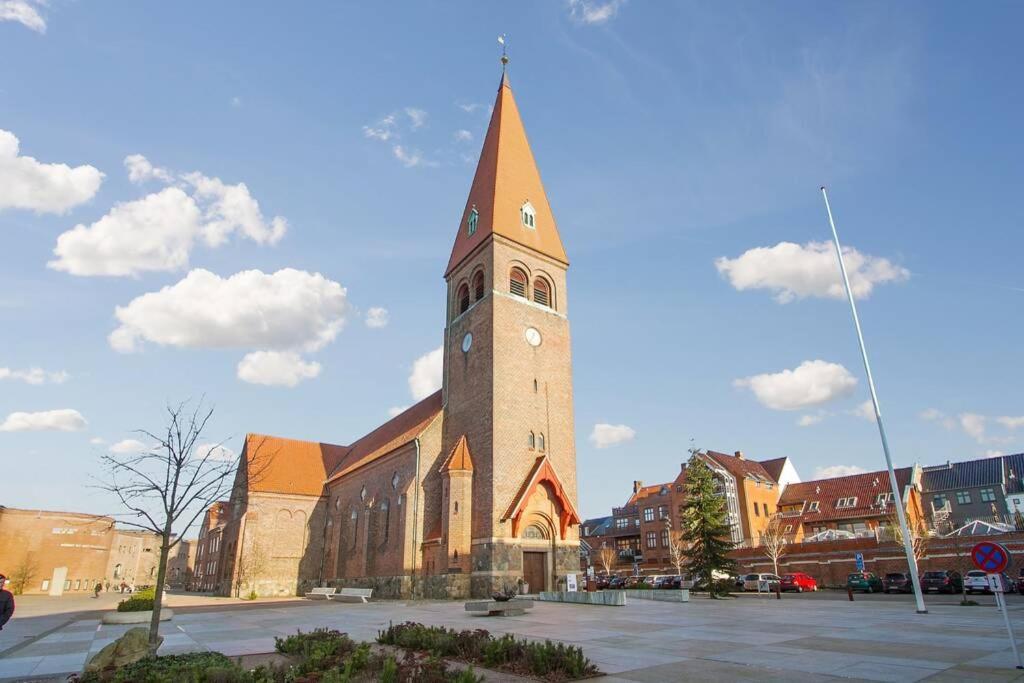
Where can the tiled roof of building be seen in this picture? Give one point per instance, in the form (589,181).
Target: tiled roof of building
(507,177)
(645,491)
(597,526)
(398,431)
(459,459)
(278,465)
(1014,470)
(774,467)
(741,468)
(827,492)
(958,475)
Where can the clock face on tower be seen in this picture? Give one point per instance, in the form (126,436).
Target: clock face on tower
(467,341)
(533,336)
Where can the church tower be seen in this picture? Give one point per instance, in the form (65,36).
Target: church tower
(507,386)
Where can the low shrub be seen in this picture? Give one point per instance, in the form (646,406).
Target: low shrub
(195,667)
(547,660)
(134,604)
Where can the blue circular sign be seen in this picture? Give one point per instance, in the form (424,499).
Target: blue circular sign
(990,557)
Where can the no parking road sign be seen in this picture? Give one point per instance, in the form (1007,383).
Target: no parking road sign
(990,557)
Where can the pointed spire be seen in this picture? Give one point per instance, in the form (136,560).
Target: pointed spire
(506,181)
(459,459)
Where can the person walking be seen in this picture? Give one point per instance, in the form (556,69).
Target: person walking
(6,603)
(97,589)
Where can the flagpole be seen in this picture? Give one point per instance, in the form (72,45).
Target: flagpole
(908,542)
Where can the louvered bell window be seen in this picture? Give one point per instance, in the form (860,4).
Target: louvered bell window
(541,293)
(517,283)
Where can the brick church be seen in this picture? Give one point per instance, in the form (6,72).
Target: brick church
(474,488)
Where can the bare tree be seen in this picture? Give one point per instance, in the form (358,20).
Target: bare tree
(166,488)
(918,534)
(676,548)
(607,557)
(962,551)
(251,565)
(24,573)
(774,541)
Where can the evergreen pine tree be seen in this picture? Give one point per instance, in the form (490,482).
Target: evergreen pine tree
(705,525)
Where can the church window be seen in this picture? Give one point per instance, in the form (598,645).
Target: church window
(463,298)
(534,531)
(535,386)
(517,283)
(541,292)
(394,480)
(471,221)
(362,493)
(478,285)
(531,441)
(540,441)
(385,511)
(456,507)
(529,216)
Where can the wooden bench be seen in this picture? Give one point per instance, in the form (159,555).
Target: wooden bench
(496,608)
(322,593)
(353,595)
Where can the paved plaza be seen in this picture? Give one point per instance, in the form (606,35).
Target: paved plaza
(749,638)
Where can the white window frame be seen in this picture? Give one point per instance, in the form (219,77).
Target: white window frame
(528,216)
(813,506)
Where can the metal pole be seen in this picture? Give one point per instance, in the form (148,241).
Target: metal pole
(908,543)
(1001,604)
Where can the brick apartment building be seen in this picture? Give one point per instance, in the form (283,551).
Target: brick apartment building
(65,552)
(474,487)
(638,532)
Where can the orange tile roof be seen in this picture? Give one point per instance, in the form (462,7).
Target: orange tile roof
(864,487)
(645,491)
(279,465)
(459,459)
(774,466)
(741,467)
(396,432)
(507,177)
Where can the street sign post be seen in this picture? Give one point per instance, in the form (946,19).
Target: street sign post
(994,558)
(859,557)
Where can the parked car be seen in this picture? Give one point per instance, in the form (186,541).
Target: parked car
(945,581)
(751,581)
(976,581)
(897,582)
(669,582)
(798,582)
(738,579)
(1020,582)
(864,581)
(617,583)
(635,581)
(601,581)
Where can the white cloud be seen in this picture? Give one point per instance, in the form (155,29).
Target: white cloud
(809,420)
(230,208)
(813,383)
(426,374)
(34,376)
(154,233)
(236,101)
(23,12)
(417,117)
(606,435)
(593,11)
(411,158)
(377,317)
(935,415)
(287,310)
(837,471)
(158,231)
(994,454)
(383,130)
(865,410)
(97,441)
(140,170)
(1011,422)
(469,107)
(973,425)
(395,411)
(796,271)
(463,135)
(26,183)
(63,420)
(128,446)
(276,368)
(214,451)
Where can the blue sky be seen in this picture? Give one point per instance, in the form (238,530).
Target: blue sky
(682,147)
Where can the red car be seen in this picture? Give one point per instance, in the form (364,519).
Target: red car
(798,582)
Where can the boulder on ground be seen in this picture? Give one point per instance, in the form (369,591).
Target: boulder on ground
(129,648)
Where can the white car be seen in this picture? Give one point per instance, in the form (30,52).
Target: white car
(976,580)
(751,581)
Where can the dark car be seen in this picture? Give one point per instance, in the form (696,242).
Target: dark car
(601,581)
(897,582)
(1020,582)
(864,581)
(669,582)
(945,581)
(617,583)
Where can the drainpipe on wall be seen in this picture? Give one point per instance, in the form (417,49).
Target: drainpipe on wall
(323,541)
(415,517)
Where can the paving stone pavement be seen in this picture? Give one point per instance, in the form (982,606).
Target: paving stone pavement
(731,640)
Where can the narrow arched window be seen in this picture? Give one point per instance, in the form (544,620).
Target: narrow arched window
(478,285)
(542,292)
(540,442)
(463,298)
(531,441)
(517,283)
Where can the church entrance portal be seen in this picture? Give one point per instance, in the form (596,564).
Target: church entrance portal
(535,570)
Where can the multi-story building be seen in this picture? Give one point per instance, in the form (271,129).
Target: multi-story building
(209,563)
(858,505)
(134,556)
(958,493)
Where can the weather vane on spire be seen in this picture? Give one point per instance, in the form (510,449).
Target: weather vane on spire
(504,52)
